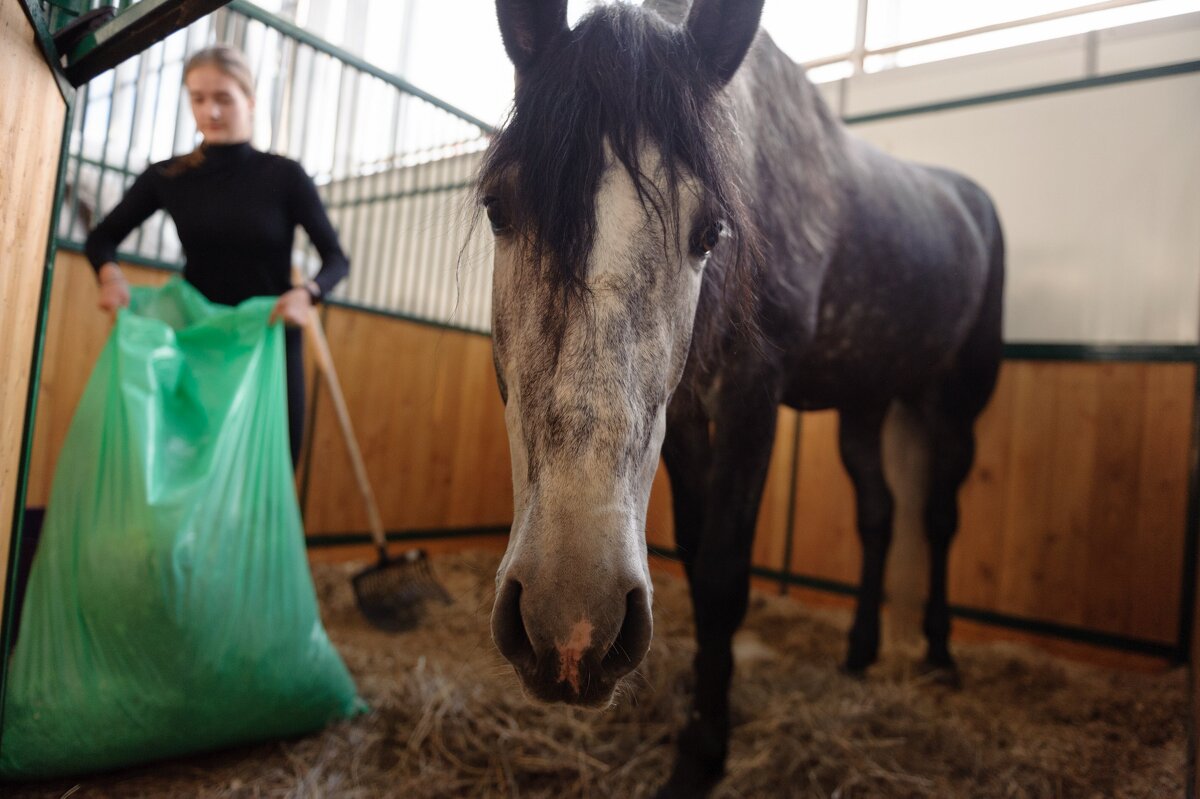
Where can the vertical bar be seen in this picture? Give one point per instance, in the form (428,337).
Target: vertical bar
(332,208)
(791,514)
(142,60)
(85,101)
(281,130)
(182,98)
(162,50)
(860,38)
(302,103)
(356,185)
(112,100)
(1191,546)
(435,270)
(352,185)
(402,177)
(387,264)
(424,208)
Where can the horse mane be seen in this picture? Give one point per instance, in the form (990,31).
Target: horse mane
(625,78)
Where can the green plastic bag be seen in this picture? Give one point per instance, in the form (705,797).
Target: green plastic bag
(170,607)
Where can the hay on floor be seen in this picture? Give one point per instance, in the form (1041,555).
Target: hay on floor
(448,719)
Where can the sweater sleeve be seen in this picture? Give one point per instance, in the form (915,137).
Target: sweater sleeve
(310,213)
(135,208)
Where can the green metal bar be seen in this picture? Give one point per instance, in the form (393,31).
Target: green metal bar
(84,103)
(182,101)
(400,195)
(1191,544)
(124,171)
(8,600)
(158,81)
(288,29)
(1152,353)
(321,540)
(791,514)
(43,28)
(70,245)
(1183,68)
(103,150)
(133,120)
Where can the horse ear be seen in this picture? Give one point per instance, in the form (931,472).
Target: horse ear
(527,26)
(723,31)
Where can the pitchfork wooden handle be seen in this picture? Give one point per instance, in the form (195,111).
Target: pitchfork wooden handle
(320,346)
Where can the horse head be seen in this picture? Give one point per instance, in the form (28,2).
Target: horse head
(613,196)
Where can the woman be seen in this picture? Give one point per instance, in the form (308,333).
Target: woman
(236,211)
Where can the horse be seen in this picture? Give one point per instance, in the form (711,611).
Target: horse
(685,238)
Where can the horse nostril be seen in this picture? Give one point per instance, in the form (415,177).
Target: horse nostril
(508,628)
(634,638)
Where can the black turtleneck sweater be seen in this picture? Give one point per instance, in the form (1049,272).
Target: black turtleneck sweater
(236,214)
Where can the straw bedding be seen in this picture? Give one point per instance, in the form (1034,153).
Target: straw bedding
(449,720)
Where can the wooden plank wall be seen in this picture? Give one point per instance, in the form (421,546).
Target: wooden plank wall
(31,122)
(1074,513)
(428,416)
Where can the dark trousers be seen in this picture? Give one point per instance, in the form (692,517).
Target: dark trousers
(294,357)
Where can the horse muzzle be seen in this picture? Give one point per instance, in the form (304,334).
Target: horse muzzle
(572,645)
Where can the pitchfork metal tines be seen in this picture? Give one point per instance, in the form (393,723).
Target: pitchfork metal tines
(392,594)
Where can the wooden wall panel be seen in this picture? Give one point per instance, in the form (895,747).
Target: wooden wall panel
(1074,512)
(76,330)
(428,416)
(31,121)
(825,539)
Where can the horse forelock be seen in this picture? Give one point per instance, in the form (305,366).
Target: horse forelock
(623,81)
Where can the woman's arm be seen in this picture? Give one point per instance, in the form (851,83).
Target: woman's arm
(101,247)
(309,212)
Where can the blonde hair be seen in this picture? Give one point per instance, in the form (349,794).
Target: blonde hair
(231,62)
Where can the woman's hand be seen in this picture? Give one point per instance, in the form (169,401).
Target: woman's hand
(293,308)
(114,290)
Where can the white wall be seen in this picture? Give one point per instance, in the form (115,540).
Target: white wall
(1098,189)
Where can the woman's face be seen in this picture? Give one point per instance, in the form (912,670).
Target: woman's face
(223,112)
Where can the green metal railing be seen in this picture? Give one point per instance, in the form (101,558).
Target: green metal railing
(393,164)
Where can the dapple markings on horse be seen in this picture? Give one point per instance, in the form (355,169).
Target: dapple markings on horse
(686,238)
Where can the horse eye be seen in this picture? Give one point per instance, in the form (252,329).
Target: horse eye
(706,239)
(495,214)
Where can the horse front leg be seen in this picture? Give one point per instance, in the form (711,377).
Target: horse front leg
(719,575)
(860,441)
(687,453)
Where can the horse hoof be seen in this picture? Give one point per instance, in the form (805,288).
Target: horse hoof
(857,671)
(940,673)
(684,789)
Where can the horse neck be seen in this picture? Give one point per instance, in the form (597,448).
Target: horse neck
(795,155)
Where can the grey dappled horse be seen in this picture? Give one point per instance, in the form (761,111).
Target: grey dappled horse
(686,237)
